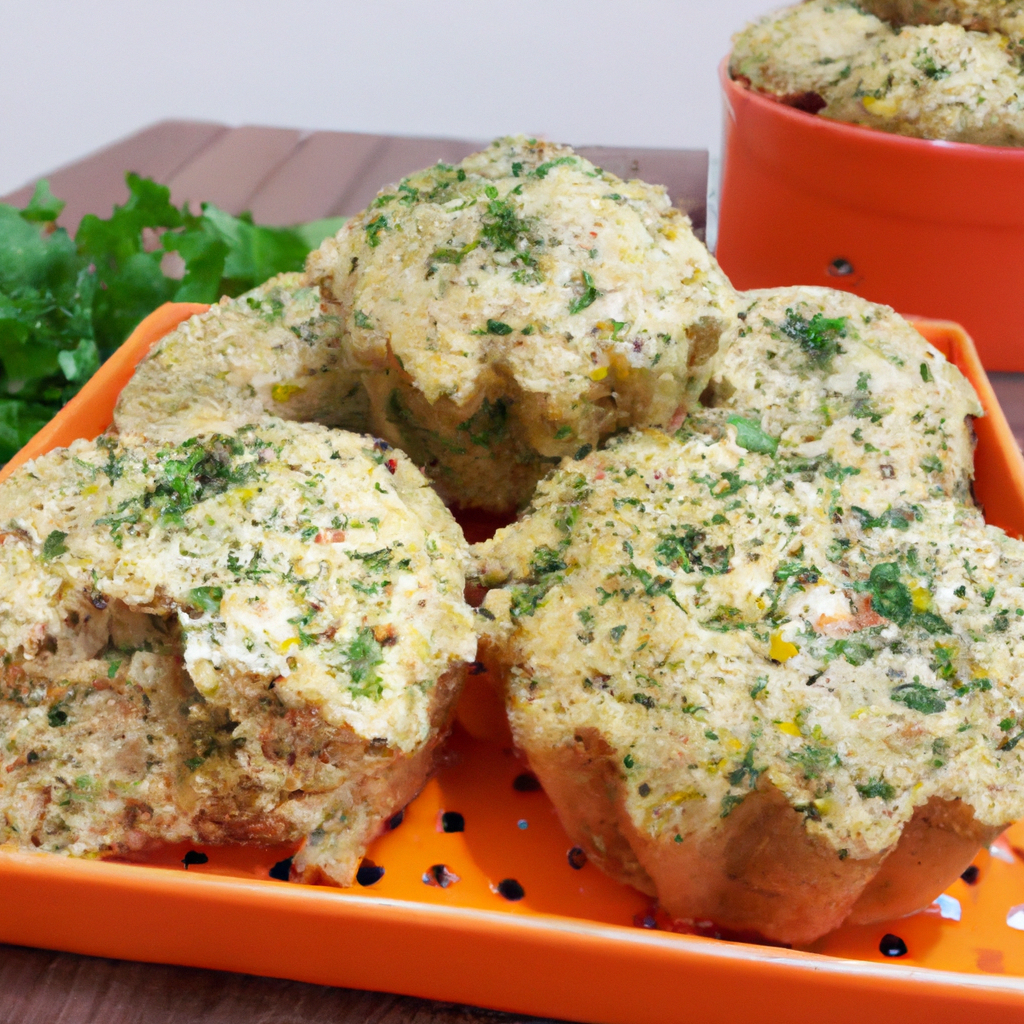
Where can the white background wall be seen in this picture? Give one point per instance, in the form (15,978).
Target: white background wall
(76,75)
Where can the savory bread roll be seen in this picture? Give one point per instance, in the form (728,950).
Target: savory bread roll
(770,706)
(929,81)
(268,351)
(818,370)
(255,636)
(1002,16)
(515,307)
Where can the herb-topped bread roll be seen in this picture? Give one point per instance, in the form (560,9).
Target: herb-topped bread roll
(929,81)
(799,53)
(771,709)
(812,371)
(268,351)
(257,636)
(1002,16)
(515,307)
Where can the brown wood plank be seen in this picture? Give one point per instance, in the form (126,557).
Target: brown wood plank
(231,170)
(315,177)
(1009,389)
(43,987)
(397,158)
(95,184)
(684,172)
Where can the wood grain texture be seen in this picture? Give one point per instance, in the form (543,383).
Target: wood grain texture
(230,171)
(316,178)
(1009,389)
(44,987)
(96,183)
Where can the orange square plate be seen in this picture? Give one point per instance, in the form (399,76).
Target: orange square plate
(577,945)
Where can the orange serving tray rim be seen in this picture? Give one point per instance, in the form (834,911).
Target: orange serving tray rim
(517,958)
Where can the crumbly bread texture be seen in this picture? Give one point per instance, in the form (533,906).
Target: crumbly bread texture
(773,707)
(253,637)
(268,351)
(803,51)
(928,81)
(823,372)
(1003,16)
(510,309)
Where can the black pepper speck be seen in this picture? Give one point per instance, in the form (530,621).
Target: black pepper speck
(452,821)
(193,857)
(970,876)
(643,789)
(892,945)
(396,820)
(510,889)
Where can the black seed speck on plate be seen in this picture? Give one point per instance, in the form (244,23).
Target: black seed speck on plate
(452,821)
(511,889)
(282,870)
(396,820)
(892,945)
(193,857)
(527,782)
(440,875)
(840,268)
(970,876)
(577,857)
(369,873)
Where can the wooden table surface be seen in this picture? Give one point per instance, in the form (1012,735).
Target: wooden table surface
(283,176)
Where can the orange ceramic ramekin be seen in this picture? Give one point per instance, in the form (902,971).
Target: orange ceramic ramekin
(929,228)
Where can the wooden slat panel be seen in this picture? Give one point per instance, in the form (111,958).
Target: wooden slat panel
(41,987)
(397,158)
(317,175)
(230,172)
(1009,389)
(684,172)
(95,184)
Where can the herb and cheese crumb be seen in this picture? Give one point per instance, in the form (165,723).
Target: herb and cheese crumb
(927,80)
(247,636)
(510,309)
(822,376)
(684,624)
(270,351)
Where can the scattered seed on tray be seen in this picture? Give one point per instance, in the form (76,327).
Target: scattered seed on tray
(369,873)
(510,889)
(452,821)
(396,820)
(193,857)
(282,870)
(892,945)
(970,876)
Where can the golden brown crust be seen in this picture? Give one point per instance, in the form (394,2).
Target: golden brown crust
(937,844)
